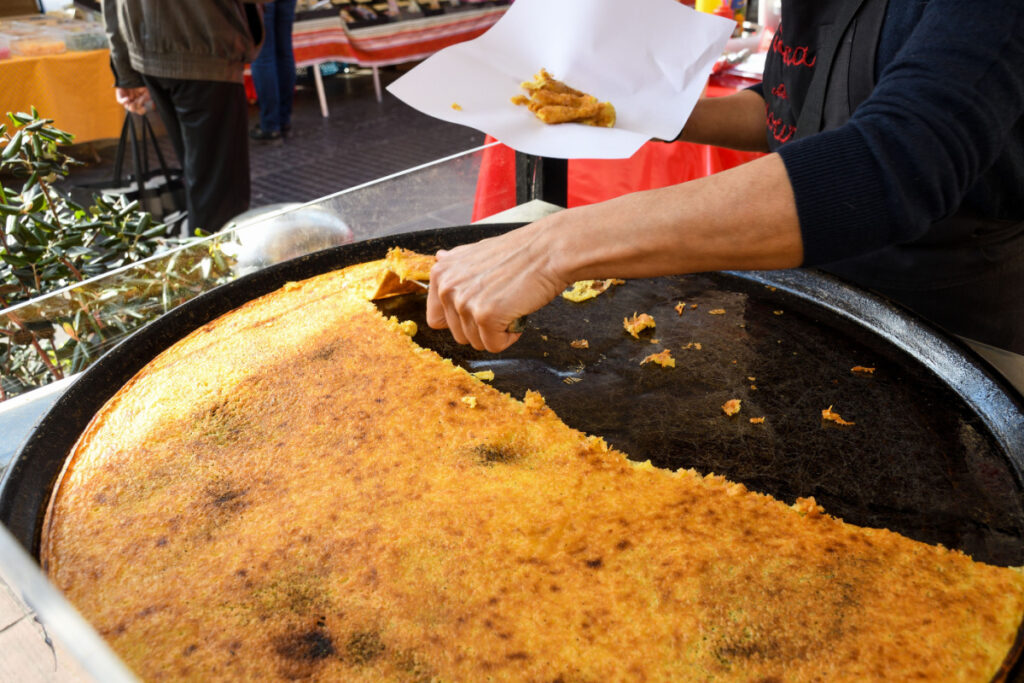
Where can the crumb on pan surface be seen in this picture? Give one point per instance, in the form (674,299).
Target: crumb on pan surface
(637,324)
(832,416)
(318,503)
(583,290)
(663,358)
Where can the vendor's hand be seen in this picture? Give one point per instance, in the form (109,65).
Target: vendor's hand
(476,290)
(135,100)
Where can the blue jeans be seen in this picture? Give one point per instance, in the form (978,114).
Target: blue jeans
(273,70)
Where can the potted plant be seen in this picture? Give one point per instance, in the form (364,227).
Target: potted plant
(74,278)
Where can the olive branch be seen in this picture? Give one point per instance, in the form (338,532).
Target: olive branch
(75,278)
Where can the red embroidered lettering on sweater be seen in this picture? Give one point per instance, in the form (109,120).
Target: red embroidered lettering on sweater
(781,130)
(780,91)
(792,56)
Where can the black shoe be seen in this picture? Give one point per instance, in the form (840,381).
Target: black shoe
(261,135)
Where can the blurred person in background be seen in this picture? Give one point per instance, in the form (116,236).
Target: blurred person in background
(273,72)
(187,58)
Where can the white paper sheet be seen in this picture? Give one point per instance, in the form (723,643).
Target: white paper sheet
(649,58)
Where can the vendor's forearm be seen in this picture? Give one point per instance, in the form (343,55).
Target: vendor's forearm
(735,121)
(741,219)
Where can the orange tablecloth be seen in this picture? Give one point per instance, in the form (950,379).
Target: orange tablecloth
(75,89)
(656,164)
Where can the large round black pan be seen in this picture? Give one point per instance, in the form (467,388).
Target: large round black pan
(937,451)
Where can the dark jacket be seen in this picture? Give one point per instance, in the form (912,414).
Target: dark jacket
(918,192)
(204,40)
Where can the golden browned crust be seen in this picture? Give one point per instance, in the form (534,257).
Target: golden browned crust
(297,490)
(552,101)
(405,272)
(583,290)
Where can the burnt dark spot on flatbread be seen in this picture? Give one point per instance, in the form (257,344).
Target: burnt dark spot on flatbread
(221,424)
(415,669)
(491,454)
(363,647)
(297,592)
(224,496)
(146,611)
(745,647)
(305,646)
(596,563)
(325,352)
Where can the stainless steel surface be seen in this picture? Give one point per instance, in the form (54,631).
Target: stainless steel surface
(64,647)
(19,415)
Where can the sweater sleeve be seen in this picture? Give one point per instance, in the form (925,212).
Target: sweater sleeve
(124,75)
(940,115)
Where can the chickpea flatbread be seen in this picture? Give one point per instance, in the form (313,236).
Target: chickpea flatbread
(297,490)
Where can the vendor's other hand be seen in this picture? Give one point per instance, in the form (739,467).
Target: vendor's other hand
(477,289)
(135,100)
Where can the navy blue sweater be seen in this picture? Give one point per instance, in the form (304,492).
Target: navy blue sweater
(943,130)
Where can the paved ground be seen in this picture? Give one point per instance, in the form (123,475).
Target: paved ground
(360,141)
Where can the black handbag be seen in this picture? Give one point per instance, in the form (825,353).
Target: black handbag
(159,188)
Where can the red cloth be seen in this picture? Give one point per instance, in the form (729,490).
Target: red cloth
(327,39)
(413,39)
(656,164)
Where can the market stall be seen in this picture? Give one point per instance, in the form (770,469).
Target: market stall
(62,67)
(394,33)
